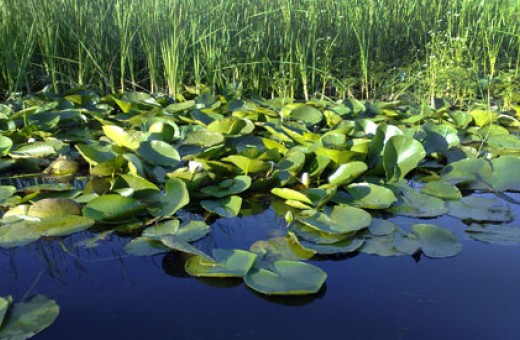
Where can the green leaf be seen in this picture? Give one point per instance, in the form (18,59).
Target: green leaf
(54,207)
(414,204)
(63,225)
(120,137)
(280,248)
(225,207)
(308,114)
(480,209)
(36,149)
(112,207)
(495,234)
(346,173)
(176,196)
(291,194)
(474,173)
(314,235)
(5,145)
(203,138)
(177,243)
(370,196)
(4,306)
(436,241)
(146,246)
(400,156)
(27,319)
(442,189)
(6,191)
(96,153)
(341,219)
(227,126)
(504,178)
(157,152)
(226,263)
(342,247)
(18,233)
(246,164)
(228,187)
(286,278)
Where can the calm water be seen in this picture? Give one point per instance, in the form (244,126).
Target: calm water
(105,294)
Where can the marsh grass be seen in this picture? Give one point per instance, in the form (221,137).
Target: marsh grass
(285,48)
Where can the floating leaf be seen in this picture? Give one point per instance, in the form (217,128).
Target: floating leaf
(503,178)
(480,209)
(342,219)
(286,278)
(346,173)
(291,194)
(157,152)
(6,191)
(342,247)
(27,319)
(227,126)
(175,197)
(226,263)
(280,248)
(118,135)
(62,225)
(5,145)
(442,189)
(436,241)
(204,138)
(475,173)
(112,207)
(96,153)
(308,114)
(36,149)
(54,207)
(4,305)
(400,156)
(414,204)
(370,196)
(246,164)
(146,246)
(228,187)
(179,244)
(495,234)
(225,207)
(18,233)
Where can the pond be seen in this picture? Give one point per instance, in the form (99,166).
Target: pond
(105,293)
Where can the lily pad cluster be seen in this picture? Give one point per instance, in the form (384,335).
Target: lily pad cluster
(335,170)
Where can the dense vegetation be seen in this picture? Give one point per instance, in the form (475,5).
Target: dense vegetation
(285,48)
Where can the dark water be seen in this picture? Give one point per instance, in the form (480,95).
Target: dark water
(105,294)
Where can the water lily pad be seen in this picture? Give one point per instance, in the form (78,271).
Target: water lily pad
(18,233)
(303,231)
(370,196)
(36,149)
(480,209)
(128,139)
(62,225)
(246,164)
(175,197)
(414,204)
(26,319)
(157,152)
(380,227)
(280,248)
(400,156)
(146,246)
(346,173)
(496,234)
(342,247)
(226,263)
(291,194)
(442,189)
(112,207)
(6,191)
(474,173)
(5,145)
(380,246)
(286,278)
(341,219)
(204,138)
(4,305)
(308,114)
(179,244)
(228,187)
(436,241)
(225,207)
(503,177)
(227,126)
(54,207)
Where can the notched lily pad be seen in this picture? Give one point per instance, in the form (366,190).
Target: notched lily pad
(480,209)
(286,278)
(226,263)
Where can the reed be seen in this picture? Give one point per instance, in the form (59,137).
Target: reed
(284,48)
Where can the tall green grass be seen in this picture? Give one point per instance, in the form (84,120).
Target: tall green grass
(286,48)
